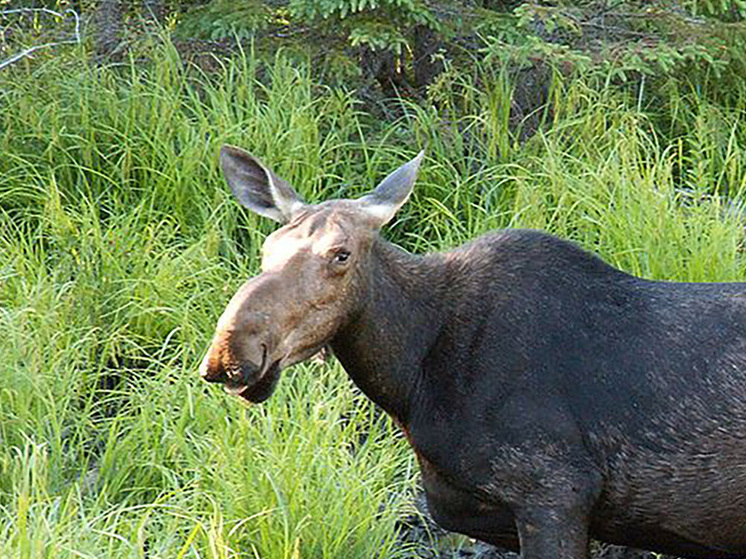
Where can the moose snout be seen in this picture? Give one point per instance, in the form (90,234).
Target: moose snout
(241,374)
(219,368)
(211,371)
(244,337)
(239,350)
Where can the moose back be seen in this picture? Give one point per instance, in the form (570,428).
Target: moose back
(548,396)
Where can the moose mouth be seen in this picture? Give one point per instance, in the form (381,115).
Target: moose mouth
(261,389)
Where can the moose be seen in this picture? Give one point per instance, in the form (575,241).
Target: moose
(549,397)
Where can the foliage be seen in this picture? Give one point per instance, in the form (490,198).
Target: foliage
(119,245)
(222,19)
(401,47)
(23,28)
(725,9)
(623,40)
(378,24)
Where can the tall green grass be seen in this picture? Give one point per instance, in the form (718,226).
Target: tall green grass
(120,245)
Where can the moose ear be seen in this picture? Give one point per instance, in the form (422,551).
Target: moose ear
(383,203)
(256,187)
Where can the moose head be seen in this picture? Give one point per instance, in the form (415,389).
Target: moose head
(314,273)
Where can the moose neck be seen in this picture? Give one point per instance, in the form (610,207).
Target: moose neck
(383,347)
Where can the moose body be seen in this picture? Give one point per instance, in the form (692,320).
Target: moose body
(548,396)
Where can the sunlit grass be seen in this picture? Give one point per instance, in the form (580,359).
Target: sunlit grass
(120,245)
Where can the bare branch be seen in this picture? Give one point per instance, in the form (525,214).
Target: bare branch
(28,51)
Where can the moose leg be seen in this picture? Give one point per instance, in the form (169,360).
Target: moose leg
(544,471)
(552,499)
(552,533)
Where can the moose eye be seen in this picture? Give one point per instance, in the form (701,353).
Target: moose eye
(341,256)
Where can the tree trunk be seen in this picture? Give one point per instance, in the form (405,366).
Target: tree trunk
(426,68)
(108,22)
(383,67)
(154,11)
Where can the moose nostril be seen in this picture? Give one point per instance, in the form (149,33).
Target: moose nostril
(218,367)
(211,374)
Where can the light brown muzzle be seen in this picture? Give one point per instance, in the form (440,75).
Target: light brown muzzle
(241,353)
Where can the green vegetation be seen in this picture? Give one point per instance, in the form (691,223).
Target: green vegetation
(120,245)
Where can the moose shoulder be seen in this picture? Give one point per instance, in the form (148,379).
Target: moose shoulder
(548,396)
